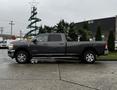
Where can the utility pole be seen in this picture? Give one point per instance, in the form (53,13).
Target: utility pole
(12,23)
(1,30)
(20,34)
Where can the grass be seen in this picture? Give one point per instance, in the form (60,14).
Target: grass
(110,56)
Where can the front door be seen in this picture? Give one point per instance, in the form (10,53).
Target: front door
(56,46)
(40,46)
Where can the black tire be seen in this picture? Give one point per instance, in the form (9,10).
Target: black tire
(22,57)
(89,57)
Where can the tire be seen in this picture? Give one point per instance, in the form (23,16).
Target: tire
(89,57)
(22,57)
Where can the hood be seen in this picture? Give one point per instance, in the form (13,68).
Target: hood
(21,42)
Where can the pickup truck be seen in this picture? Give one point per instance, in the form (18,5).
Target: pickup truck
(56,45)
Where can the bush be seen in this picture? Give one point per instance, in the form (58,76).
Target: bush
(98,36)
(111,41)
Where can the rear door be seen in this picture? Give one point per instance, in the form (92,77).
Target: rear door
(56,44)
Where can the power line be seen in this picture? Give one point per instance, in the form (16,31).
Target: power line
(12,23)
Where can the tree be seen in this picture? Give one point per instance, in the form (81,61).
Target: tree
(48,29)
(33,25)
(98,35)
(86,26)
(84,34)
(62,27)
(111,41)
(41,30)
(72,35)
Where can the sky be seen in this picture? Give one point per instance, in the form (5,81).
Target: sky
(52,11)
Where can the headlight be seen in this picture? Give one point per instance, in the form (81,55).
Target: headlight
(10,46)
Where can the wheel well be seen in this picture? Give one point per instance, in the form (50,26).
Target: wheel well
(22,49)
(90,49)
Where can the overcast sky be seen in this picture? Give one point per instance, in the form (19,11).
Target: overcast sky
(51,11)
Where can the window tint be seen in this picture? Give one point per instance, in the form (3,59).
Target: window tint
(42,38)
(54,38)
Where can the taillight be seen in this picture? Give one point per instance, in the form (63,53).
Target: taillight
(106,46)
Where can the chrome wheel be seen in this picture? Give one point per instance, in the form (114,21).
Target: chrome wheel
(90,57)
(21,57)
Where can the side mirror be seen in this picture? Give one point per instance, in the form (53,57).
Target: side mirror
(34,41)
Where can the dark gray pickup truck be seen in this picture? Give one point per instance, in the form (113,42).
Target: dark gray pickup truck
(55,45)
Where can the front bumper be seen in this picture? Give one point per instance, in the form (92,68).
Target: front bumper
(11,53)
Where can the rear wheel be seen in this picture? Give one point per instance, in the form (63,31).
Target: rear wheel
(22,57)
(89,57)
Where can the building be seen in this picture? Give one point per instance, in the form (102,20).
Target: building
(106,25)
(6,36)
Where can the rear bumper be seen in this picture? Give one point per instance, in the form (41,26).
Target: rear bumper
(11,53)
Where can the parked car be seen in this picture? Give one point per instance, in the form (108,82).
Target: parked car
(3,44)
(56,45)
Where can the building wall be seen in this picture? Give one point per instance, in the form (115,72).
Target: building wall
(106,24)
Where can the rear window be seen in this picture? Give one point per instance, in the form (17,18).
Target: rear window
(54,38)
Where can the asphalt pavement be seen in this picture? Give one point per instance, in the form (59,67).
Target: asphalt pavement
(56,74)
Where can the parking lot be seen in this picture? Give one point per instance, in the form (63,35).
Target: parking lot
(57,74)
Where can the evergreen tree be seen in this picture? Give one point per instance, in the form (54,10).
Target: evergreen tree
(86,26)
(34,29)
(62,27)
(111,41)
(72,35)
(98,35)
(48,29)
(41,30)
(84,34)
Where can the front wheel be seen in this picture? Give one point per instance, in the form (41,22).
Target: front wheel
(89,57)
(22,57)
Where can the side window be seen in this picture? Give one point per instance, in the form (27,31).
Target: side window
(42,38)
(52,38)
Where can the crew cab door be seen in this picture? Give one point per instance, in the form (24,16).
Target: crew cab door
(40,46)
(49,44)
(56,44)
